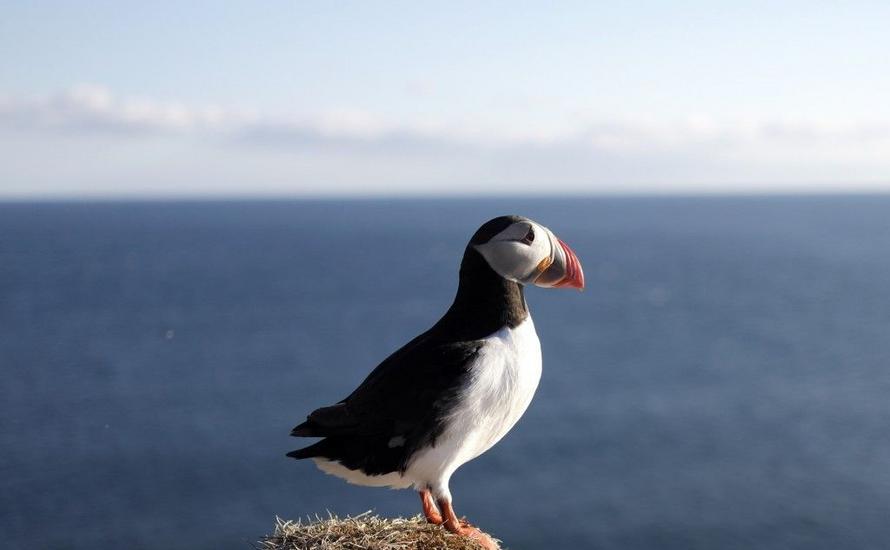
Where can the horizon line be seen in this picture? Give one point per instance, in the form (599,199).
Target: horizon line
(780,192)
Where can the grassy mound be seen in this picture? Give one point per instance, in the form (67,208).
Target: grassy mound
(364,532)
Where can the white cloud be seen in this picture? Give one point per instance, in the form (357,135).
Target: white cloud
(349,146)
(89,109)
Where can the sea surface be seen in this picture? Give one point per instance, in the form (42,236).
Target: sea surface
(723,382)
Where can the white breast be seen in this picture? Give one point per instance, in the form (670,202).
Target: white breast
(502,381)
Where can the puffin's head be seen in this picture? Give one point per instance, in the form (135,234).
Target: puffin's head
(521,250)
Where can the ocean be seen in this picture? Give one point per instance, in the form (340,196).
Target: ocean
(723,382)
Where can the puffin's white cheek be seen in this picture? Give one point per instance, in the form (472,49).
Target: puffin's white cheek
(539,250)
(510,260)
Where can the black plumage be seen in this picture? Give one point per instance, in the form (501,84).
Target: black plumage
(410,393)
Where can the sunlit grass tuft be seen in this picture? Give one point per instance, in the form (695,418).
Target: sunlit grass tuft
(364,532)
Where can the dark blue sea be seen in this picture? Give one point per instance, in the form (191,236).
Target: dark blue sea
(723,382)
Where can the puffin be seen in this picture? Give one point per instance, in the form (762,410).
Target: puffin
(452,392)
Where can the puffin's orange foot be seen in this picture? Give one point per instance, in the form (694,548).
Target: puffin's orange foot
(435,518)
(472,532)
(429,508)
(463,527)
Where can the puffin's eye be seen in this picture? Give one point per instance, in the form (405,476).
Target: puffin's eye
(529,237)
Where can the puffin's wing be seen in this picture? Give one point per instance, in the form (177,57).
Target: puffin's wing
(416,389)
(405,397)
(408,386)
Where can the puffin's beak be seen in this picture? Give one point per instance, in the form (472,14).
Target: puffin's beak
(564,269)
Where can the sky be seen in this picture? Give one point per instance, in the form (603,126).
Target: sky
(182,99)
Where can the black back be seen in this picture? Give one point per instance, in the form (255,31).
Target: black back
(400,407)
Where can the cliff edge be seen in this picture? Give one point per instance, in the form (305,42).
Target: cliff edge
(363,532)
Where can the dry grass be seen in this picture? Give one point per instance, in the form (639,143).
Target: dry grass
(364,532)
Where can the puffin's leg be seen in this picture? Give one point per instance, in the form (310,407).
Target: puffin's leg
(429,508)
(461,527)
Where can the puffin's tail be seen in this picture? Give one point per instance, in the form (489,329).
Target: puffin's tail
(335,420)
(304,430)
(307,452)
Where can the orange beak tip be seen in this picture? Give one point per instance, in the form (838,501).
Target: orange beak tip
(574,276)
